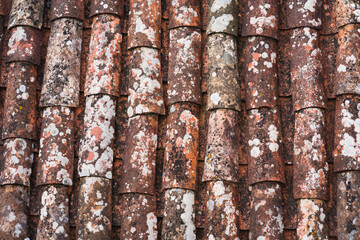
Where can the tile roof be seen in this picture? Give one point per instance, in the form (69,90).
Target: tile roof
(179,119)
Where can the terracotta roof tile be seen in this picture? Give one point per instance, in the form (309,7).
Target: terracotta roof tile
(67,9)
(261,18)
(103,72)
(106,7)
(328,17)
(184,13)
(284,63)
(329,47)
(179,217)
(94,209)
(182,133)
(26,13)
(266,219)
(62,70)
(222,17)
(347,12)
(347,65)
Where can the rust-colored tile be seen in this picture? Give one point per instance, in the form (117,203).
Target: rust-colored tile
(284,63)
(184,74)
(56,147)
(203,128)
(138,170)
(332,203)
(242,65)
(85,45)
(103,72)
(222,17)
(24,45)
(121,120)
(222,215)
(330,129)
(67,9)
(223,85)
(179,215)
(62,70)
(74,197)
(17,158)
(347,12)
(145,85)
(138,220)
(347,60)
(310,165)
(266,218)
(289,203)
(306,69)
(260,72)
(347,142)
(329,47)
(145,24)
(2,8)
(184,13)
(300,13)
(41,67)
(244,198)
(181,148)
(79,113)
(242,135)
(14,208)
(328,17)
(35,191)
(222,156)
(162,131)
(165,42)
(290,235)
(204,13)
(94,209)
(26,13)
(348,205)
(20,104)
(261,18)
(204,63)
(125,64)
(32,224)
(287,118)
(114,7)
(54,213)
(312,219)
(96,146)
(265,146)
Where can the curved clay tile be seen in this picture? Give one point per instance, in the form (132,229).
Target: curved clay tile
(348,205)
(96,146)
(287,120)
(17,159)
(24,45)
(145,85)
(182,134)
(14,209)
(265,146)
(62,69)
(20,105)
(94,209)
(306,69)
(26,13)
(329,47)
(328,17)
(347,60)
(145,24)
(56,151)
(120,127)
(54,213)
(223,85)
(311,219)
(2,8)
(222,157)
(184,73)
(67,9)
(300,13)
(179,220)
(138,169)
(310,165)
(138,220)
(222,213)
(114,7)
(104,58)
(347,130)
(261,18)
(266,219)
(260,73)
(347,11)
(184,13)
(222,17)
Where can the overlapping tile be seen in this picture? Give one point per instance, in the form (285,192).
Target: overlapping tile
(184,13)
(106,7)
(67,9)
(26,13)
(222,17)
